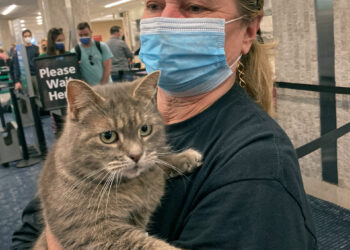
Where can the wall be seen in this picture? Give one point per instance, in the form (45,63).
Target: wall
(294,26)
(102,28)
(5,35)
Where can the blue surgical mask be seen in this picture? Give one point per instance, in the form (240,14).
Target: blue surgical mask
(59,45)
(189,52)
(85,40)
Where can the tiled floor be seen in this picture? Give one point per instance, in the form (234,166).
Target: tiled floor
(17,187)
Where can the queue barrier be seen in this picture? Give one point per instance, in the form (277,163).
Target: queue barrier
(325,139)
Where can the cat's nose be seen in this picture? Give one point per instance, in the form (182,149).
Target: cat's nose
(135,157)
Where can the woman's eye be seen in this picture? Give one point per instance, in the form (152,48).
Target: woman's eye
(153,6)
(109,137)
(145,130)
(196,9)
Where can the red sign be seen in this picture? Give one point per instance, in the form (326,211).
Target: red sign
(97,38)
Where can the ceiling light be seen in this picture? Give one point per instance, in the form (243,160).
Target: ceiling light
(116,3)
(22,25)
(39,17)
(21,21)
(9,9)
(24,28)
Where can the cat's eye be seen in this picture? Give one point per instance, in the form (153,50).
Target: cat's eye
(109,137)
(145,130)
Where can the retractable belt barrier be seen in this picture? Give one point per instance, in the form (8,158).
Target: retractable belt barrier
(314,88)
(329,137)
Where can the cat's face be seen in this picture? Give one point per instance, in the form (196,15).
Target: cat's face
(115,129)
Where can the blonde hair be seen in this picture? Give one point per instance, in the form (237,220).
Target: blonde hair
(256,65)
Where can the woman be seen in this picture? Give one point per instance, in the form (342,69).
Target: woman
(248,194)
(55,43)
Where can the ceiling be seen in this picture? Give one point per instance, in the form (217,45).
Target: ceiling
(27,10)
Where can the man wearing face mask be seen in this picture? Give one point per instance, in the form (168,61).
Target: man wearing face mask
(95,57)
(32,52)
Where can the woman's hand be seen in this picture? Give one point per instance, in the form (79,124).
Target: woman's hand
(52,242)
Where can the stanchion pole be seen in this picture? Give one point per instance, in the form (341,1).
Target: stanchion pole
(38,127)
(20,131)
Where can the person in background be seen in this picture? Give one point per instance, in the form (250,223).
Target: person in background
(43,45)
(55,43)
(12,54)
(32,52)
(122,55)
(55,46)
(95,57)
(3,57)
(12,51)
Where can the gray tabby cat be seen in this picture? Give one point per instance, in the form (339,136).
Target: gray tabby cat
(106,174)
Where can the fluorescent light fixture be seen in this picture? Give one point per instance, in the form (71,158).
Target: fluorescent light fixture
(21,21)
(24,28)
(9,9)
(116,3)
(39,17)
(22,25)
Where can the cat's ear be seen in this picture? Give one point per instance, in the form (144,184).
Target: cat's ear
(79,96)
(148,84)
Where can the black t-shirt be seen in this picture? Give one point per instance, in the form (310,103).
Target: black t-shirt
(247,195)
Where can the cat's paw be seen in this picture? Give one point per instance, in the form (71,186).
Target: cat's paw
(192,159)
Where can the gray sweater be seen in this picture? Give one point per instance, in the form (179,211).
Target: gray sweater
(121,54)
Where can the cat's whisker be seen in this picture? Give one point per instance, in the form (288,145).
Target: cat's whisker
(109,190)
(117,164)
(75,185)
(117,183)
(165,172)
(92,195)
(102,192)
(166,164)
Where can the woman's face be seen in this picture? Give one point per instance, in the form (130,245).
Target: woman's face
(239,37)
(59,38)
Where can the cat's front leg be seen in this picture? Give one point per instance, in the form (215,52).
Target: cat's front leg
(184,162)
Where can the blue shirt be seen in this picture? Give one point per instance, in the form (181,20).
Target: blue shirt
(91,62)
(32,52)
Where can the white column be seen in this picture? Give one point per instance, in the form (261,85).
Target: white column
(5,35)
(64,14)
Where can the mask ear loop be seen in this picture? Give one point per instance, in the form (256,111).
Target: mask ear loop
(234,20)
(240,70)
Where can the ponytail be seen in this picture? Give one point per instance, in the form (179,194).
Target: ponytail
(258,75)
(256,66)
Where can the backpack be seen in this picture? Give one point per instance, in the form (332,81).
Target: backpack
(78,50)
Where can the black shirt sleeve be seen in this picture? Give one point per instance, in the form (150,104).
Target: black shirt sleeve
(251,214)
(29,231)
